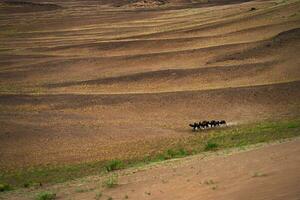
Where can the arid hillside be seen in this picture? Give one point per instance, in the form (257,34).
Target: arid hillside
(96,80)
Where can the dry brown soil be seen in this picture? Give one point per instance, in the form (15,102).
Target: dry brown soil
(268,172)
(96,80)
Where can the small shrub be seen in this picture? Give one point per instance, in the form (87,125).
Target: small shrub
(170,153)
(98,195)
(292,126)
(210,146)
(114,165)
(32,184)
(182,153)
(109,198)
(160,157)
(126,196)
(111,181)
(46,196)
(26,185)
(5,187)
(177,153)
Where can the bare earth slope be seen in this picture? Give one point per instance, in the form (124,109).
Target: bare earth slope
(116,126)
(271,172)
(86,80)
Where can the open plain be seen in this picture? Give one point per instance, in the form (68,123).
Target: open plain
(86,81)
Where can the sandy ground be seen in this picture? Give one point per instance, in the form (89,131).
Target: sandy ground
(266,173)
(259,172)
(84,81)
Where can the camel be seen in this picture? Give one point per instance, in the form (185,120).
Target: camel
(205,124)
(222,122)
(194,126)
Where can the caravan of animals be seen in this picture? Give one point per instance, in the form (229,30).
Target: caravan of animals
(207,124)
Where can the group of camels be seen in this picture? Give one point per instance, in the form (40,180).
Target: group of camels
(207,124)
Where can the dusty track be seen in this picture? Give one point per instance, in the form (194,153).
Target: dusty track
(79,80)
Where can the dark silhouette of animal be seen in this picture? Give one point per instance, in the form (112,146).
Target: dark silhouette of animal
(205,124)
(194,126)
(222,122)
(200,125)
(213,123)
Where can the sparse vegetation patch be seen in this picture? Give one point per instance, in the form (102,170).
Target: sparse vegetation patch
(111,181)
(171,153)
(114,165)
(210,146)
(5,187)
(98,195)
(46,195)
